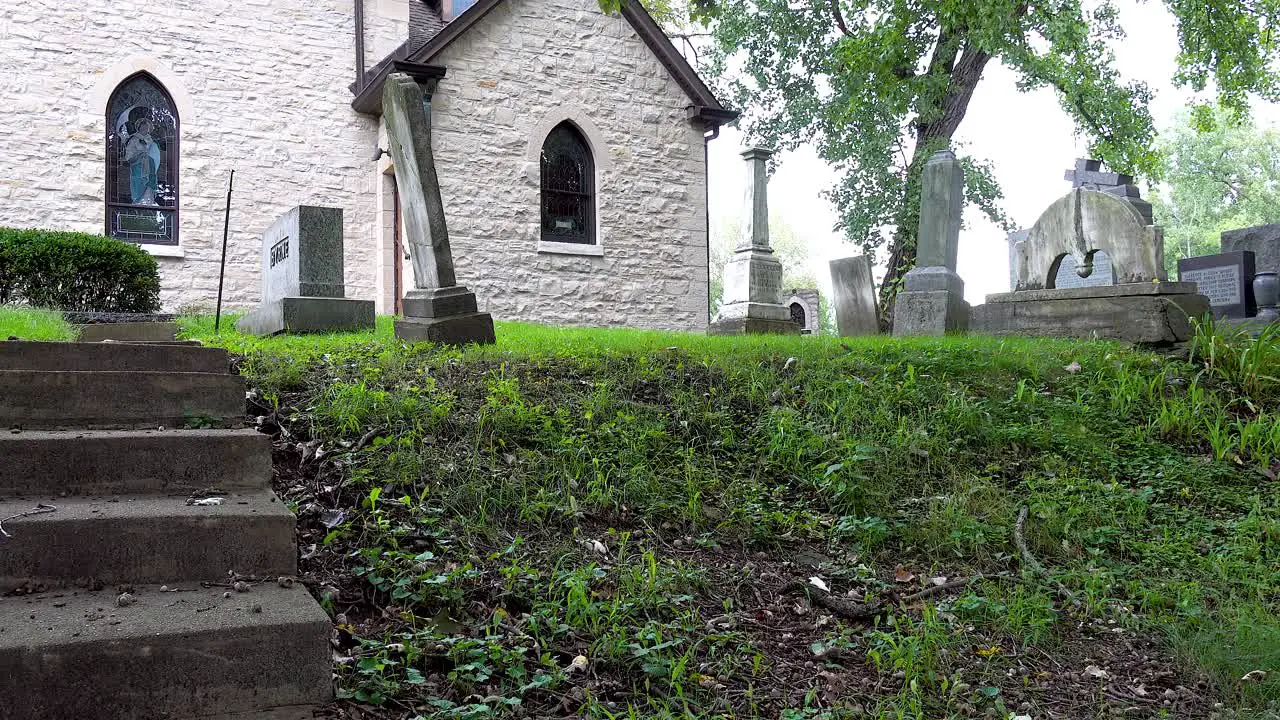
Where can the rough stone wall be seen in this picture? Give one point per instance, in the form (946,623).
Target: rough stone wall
(261,87)
(386,25)
(509,78)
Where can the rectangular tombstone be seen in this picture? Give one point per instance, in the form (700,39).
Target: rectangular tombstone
(302,281)
(1226,279)
(302,254)
(1262,240)
(854,291)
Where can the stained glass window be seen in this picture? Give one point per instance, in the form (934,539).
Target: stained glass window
(142,163)
(568,187)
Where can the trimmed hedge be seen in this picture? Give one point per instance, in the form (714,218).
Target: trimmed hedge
(76,271)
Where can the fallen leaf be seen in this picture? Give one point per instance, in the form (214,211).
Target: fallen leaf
(940,580)
(1254,676)
(989,651)
(1073,368)
(578,663)
(902,575)
(332,518)
(208,502)
(818,583)
(1096,672)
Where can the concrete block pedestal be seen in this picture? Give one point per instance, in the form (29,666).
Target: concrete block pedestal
(307,315)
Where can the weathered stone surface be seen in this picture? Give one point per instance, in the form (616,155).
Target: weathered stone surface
(1084,221)
(805,306)
(1262,240)
(439,302)
(941,205)
(27,355)
(1226,279)
(1155,319)
(854,290)
(932,302)
(935,312)
(752,326)
(129,332)
(1088,174)
(118,400)
(753,276)
(308,315)
(462,329)
(1096,291)
(169,655)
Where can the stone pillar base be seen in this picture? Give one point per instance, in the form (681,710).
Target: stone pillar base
(752,326)
(460,329)
(308,315)
(438,302)
(931,312)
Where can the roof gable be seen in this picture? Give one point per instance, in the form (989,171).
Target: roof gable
(423,48)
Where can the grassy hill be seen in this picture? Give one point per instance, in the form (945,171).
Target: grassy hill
(625,524)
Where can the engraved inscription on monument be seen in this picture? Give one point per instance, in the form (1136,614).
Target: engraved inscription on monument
(280,251)
(1219,284)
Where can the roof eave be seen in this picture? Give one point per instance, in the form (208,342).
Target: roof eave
(369,99)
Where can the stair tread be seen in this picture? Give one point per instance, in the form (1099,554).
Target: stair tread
(237,503)
(20,434)
(78,617)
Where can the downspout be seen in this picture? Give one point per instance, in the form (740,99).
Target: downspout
(706,204)
(359,4)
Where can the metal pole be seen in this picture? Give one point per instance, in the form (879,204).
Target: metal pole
(222,270)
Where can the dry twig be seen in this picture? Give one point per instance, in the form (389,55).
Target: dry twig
(40,509)
(1030,560)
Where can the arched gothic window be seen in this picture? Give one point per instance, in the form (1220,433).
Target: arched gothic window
(142,163)
(797,314)
(568,187)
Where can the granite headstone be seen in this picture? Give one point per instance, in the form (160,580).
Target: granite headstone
(302,277)
(854,291)
(1262,240)
(1226,279)
(932,301)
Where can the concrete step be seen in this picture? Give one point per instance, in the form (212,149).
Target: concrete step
(144,539)
(129,332)
(132,462)
(37,399)
(168,357)
(185,654)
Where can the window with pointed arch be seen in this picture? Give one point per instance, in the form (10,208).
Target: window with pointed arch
(568,187)
(142,163)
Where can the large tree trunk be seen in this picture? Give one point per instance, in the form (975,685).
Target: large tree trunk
(932,133)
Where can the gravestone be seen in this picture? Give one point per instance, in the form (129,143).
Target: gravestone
(302,280)
(1226,279)
(932,301)
(854,291)
(1261,240)
(805,307)
(753,276)
(438,309)
(1140,307)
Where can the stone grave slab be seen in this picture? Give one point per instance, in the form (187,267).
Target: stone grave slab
(1226,279)
(1145,313)
(302,280)
(854,290)
(1262,240)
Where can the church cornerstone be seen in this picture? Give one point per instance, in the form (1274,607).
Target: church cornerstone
(437,309)
(752,301)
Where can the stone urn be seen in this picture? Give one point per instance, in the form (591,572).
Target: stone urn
(1266,290)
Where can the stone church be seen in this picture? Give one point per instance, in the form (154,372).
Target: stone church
(570,144)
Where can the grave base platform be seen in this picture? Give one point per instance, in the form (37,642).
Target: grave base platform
(308,315)
(461,329)
(1141,313)
(752,326)
(929,312)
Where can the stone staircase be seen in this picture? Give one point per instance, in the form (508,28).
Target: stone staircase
(121,440)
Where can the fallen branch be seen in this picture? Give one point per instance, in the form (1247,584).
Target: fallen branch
(40,509)
(1030,560)
(851,610)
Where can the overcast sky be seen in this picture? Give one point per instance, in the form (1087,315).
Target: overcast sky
(1028,138)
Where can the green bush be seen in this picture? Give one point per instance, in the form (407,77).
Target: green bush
(76,271)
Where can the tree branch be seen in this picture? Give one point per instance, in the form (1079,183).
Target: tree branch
(835,12)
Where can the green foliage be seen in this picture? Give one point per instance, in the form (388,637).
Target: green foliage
(76,271)
(877,86)
(640,499)
(34,324)
(1221,173)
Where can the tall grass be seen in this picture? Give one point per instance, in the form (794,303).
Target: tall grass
(25,323)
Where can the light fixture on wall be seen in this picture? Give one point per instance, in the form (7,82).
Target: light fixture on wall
(378,152)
